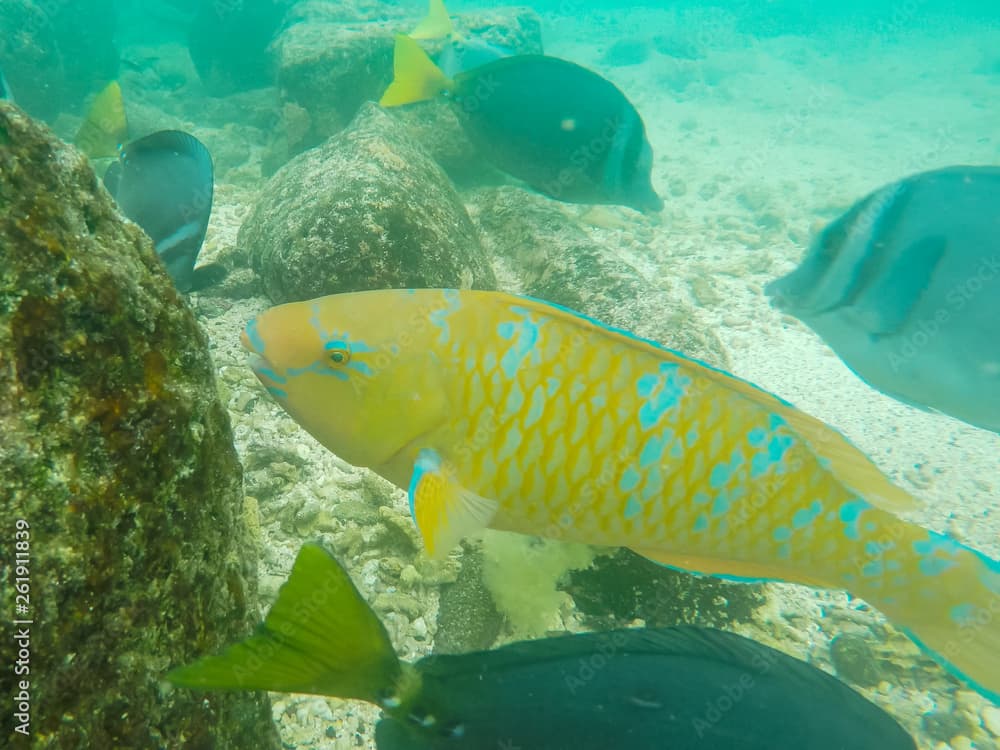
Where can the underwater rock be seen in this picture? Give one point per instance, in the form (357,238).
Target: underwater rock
(468,619)
(367,210)
(623,586)
(557,261)
(50,64)
(330,68)
(119,465)
(229,43)
(942,726)
(624,52)
(854,661)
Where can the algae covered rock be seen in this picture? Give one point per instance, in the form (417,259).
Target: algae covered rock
(557,261)
(118,467)
(367,210)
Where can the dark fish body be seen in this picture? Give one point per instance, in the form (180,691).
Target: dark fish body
(5,94)
(164,183)
(682,688)
(563,129)
(905,288)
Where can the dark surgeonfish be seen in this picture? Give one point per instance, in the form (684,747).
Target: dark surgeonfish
(563,129)
(164,183)
(683,688)
(905,287)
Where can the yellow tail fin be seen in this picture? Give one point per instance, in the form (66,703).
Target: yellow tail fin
(942,594)
(105,128)
(320,637)
(436,25)
(415,77)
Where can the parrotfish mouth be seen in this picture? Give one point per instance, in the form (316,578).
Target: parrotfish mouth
(261,367)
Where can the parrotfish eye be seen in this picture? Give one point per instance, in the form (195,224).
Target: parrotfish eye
(338,353)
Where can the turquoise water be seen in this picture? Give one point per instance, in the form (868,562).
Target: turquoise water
(767,120)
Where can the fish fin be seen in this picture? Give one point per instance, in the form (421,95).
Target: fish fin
(951,607)
(319,637)
(208,275)
(436,25)
(105,128)
(733,570)
(445,512)
(891,300)
(415,76)
(112,177)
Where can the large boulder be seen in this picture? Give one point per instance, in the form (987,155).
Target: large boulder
(118,467)
(367,210)
(555,259)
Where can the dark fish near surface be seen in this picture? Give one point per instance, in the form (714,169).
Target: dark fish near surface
(682,688)
(905,287)
(563,129)
(164,183)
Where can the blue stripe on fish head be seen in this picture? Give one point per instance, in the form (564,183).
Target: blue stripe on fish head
(253,336)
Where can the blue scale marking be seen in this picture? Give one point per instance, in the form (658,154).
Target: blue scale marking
(652,450)
(536,408)
(629,479)
(253,336)
(524,336)
(805,516)
(662,393)
(632,508)
(428,461)
(439,317)
(849,513)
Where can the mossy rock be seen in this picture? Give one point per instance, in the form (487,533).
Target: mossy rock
(367,210)
(119,458)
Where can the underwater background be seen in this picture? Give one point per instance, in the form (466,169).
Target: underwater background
(767,120)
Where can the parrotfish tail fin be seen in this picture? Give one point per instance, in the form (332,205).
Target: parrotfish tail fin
(415,76)
(436,25)
(944,595)
(445,512)
(105,128)
(320,637)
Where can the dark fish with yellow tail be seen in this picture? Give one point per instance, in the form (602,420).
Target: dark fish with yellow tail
(564,130)
(905,288)
(682,688)
(164,183)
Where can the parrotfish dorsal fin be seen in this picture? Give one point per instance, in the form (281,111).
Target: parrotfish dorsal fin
(848,463)
(320,637)
(436,25)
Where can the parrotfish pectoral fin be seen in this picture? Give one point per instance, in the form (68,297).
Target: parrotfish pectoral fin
(436,25)
(415,76)
(729,569)
(320,637)
(445,512)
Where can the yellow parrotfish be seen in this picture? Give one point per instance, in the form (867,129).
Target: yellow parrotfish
(508,412)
